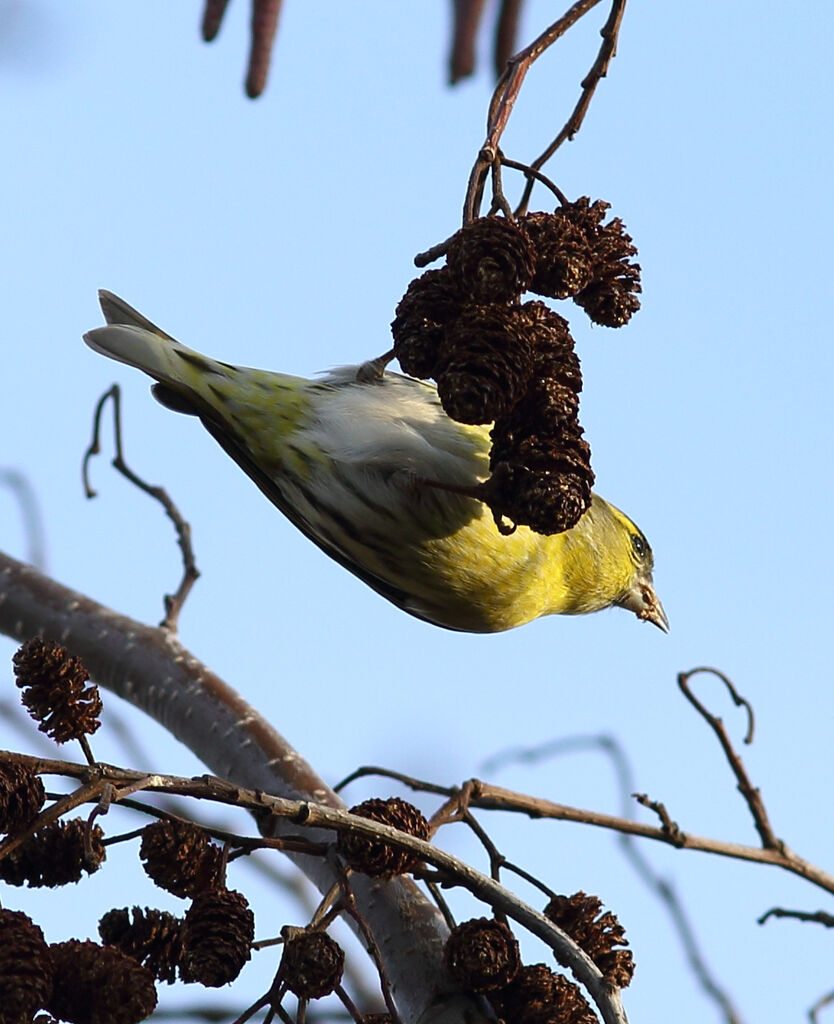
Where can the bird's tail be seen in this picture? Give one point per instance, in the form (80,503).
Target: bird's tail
(131,338)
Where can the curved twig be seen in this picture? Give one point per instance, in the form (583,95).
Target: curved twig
(190,573)
(751,794)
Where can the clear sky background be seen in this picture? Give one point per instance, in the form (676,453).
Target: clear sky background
(280,234)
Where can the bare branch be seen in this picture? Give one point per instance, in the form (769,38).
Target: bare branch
(173,602)
(817,916)
(599,69)
(751,795)
(149,668)
(322,818)
(820,1004)
(508,88)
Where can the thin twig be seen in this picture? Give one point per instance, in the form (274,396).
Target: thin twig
(658,885)
(442,905)
(173,602)
(423,259)
(350,907)
(671,828)
(817,916)
(506,93)
(751,794)
(386,773)
(820,1004)
(532,173)
(250,1011)
(599,69)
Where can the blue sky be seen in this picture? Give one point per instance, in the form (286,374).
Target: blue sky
(281,234)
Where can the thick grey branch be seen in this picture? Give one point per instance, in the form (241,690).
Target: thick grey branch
(149,668)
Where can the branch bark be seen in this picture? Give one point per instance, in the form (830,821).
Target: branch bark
(149,668)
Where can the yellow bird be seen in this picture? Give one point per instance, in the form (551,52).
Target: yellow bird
(347,458)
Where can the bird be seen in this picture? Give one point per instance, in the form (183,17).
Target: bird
(370,468)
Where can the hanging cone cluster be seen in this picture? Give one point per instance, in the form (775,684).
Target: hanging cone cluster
(375,857)
(537,995)
(598,934)
(55,855)
(55,691)
(152,937)
(498,360)
(311,965)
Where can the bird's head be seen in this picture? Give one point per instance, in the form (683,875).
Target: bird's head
(613,562)
(639,595)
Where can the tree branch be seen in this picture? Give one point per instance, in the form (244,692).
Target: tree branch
(151,670)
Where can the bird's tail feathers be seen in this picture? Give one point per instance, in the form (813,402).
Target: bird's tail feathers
(131,338)
(137,347)
(117,311)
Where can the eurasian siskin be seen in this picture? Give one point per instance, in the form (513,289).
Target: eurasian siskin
(354,461)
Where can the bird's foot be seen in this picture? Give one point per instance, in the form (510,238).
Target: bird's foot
(373,369)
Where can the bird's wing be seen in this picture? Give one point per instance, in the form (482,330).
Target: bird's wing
(272,489)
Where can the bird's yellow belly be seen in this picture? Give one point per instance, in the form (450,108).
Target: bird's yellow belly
(479,580)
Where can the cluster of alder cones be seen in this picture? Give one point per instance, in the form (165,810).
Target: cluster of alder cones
(86,982)
(499,360)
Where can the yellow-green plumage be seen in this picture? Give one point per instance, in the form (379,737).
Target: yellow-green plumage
(354,462)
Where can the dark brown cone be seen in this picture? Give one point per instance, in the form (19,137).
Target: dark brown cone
(55,691)
(597,935)
(564,258)
(482,955)
(552,343)
(547,405)
(609,297)
(312,965)
(611,301)
(549,501)
(617,966)
(491,261)
(375,857)
(179,857)
(430,302)
(586,216)
(21,796)
(99,985)
(541,469)
(539,996)
(26,968)
(153,937)
(55,855)
(217,935)
(485,362)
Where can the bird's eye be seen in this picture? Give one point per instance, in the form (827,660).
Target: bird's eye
(638,544)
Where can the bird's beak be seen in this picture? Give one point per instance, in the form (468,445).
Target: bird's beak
(644,602)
